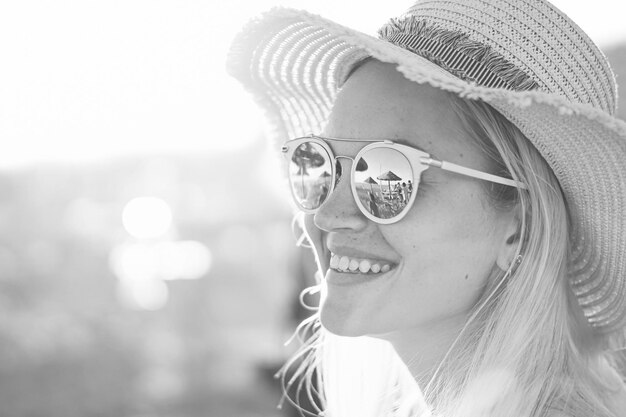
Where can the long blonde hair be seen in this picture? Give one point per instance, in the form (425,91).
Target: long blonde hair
(525,350)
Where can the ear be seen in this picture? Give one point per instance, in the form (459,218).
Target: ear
(511,232)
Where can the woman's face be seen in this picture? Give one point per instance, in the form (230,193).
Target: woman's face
(442,252)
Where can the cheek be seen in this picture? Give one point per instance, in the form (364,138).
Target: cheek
(451,240)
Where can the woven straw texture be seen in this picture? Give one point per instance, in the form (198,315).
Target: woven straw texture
(524,57)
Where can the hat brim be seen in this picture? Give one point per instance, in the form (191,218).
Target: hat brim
(294,62)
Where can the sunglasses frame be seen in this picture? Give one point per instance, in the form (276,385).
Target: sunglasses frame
(419,161)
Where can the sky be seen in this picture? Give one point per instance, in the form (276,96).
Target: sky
(86,79)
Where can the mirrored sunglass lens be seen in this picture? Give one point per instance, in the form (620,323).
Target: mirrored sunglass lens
(384,182)
(310,175)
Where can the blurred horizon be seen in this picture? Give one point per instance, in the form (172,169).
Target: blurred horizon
(145,287)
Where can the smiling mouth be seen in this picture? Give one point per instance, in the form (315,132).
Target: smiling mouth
(346,264)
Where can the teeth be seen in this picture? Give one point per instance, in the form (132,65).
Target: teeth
(354,264)
(343,263)
(364,266)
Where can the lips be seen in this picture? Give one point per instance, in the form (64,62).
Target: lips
(344,257)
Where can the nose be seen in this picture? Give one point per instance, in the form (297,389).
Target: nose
(340,211)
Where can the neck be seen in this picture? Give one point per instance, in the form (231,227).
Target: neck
(422,349)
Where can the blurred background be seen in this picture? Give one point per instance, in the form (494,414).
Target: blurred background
(147,263)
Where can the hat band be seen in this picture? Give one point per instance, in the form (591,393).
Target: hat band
(468,60)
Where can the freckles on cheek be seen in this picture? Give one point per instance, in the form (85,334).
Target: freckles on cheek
(466,220)
(446,231)
(463,289)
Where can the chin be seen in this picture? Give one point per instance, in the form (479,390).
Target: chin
(337,322)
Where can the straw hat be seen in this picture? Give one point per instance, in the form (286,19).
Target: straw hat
(523,57)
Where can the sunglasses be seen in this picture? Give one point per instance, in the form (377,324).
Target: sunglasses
(384,177)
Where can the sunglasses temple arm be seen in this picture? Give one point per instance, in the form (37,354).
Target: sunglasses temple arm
(449,166)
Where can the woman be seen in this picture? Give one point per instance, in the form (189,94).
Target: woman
(499,288)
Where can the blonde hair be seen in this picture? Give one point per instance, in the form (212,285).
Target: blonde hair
(525,351)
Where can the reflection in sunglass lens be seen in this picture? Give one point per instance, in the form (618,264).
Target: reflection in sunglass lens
(384,184)
(310,175)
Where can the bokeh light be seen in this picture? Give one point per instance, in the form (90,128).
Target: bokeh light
(147,217)
(167,261)
(182,259)
(143,267)
(148,294)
